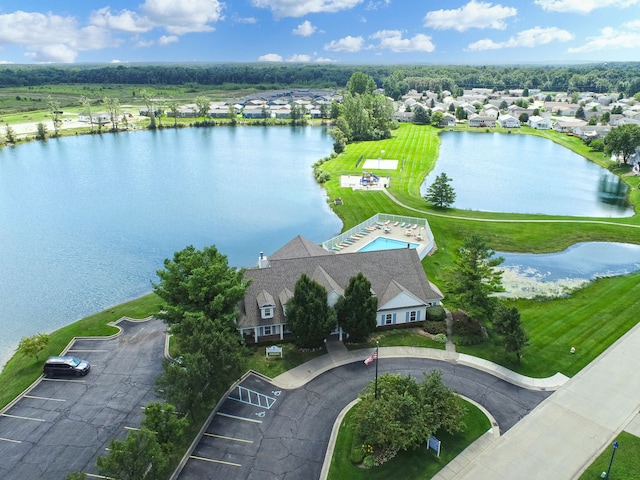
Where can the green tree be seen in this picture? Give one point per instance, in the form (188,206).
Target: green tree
(503,105)
(395,85)
(32,346)
(580,114)
(233,115)
(406,413)
(173,109)
(42,131)
(113,107)
(182,384)
(200,281)
(361,84)
(523,118)
(507,324)
(87,109)
(358,116)
(309,316)
(440,192)
(202,106)
(298,115)
(605,118)
(421,116)
(10,135)
(54,108)
(437,119)
(597,145)
(163,420)
(622,141)
(356,309)
(461,113)
(474,278)
(151,108)
(138,457)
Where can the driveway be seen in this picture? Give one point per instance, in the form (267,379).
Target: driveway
(262,432)
(62,425)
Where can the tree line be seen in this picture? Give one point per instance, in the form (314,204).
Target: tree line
(599,78)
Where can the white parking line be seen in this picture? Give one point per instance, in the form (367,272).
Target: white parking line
(62,380)
(227,438)
(239,418)
(9,440)
(45,398)
(22,418)
(87,350)
(215,461)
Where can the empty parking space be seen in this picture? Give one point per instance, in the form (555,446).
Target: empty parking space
(230,444)
(63,424)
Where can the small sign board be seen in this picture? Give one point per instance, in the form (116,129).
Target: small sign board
(273,350)
(434,444)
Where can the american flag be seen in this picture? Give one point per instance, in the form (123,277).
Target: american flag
(369,360)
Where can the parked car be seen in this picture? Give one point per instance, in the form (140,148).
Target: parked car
(60,366)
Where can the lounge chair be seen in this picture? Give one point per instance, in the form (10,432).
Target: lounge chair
(396,224)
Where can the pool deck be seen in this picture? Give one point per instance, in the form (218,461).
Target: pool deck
(394,232)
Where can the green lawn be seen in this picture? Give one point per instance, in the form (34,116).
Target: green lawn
(410,465)
(626,462)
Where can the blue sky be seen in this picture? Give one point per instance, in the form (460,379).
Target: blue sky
(316,31)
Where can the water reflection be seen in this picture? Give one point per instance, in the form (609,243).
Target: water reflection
(613,191)
(555,274)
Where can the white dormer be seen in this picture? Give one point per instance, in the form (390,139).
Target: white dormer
(266,304)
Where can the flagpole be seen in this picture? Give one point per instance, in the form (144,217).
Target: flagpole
(377,359)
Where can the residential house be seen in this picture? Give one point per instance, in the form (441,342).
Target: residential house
(476,120)
(567,126)
(507,121)
(539,123)
(591,132)
(448,120)
(100,118)
(397,280)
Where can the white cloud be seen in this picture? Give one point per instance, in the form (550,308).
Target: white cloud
(167,39)
(246,20)
(582,6)
(375,5)
(472,15)
(183,16)
(527,38)
(632,25)
(300,8)
(392,40)
(346,44)
(270,57)
(299,58)
(125,20)
(324,60)
(609,39)
(49,37)
(305,29)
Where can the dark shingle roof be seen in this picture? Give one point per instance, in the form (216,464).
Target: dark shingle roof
(390,272)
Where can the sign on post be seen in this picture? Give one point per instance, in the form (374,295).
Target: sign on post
(273,350)
(434,444)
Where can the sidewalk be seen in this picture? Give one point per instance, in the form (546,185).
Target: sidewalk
(568,430)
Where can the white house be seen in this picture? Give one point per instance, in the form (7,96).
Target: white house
(476,120)
(565,126)
(539,123)
(100,118)
(397,280)
(507,121)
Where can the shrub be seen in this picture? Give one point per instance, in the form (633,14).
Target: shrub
(440,338)
(369,461)
(357,454)
(435,328)
(436,313)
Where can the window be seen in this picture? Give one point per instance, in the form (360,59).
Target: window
(388,318)
(267,312)
(267,330)
(413,316)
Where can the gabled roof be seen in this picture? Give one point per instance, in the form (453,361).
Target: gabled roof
(381,268)
(299,247)
(265,298)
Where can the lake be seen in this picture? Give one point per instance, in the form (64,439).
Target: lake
(86,221)
(498,172)
(554,274)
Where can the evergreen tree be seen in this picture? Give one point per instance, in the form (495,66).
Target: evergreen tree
(309,316)
(138,457)
(441,193)
(507,323)
(421,116)
(356,310)
(473,279)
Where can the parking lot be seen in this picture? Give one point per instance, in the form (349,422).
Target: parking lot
(229,446)
(62,424)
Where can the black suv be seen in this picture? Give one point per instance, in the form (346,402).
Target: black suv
(55,366)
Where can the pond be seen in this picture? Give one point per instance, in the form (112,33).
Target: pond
(498,172)
(554,274)
(86,221)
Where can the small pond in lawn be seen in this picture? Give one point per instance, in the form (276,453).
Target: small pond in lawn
(554,274)
(497,172)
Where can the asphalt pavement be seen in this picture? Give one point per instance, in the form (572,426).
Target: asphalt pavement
(62,425)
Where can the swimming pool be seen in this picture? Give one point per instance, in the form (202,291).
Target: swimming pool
(383,243)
